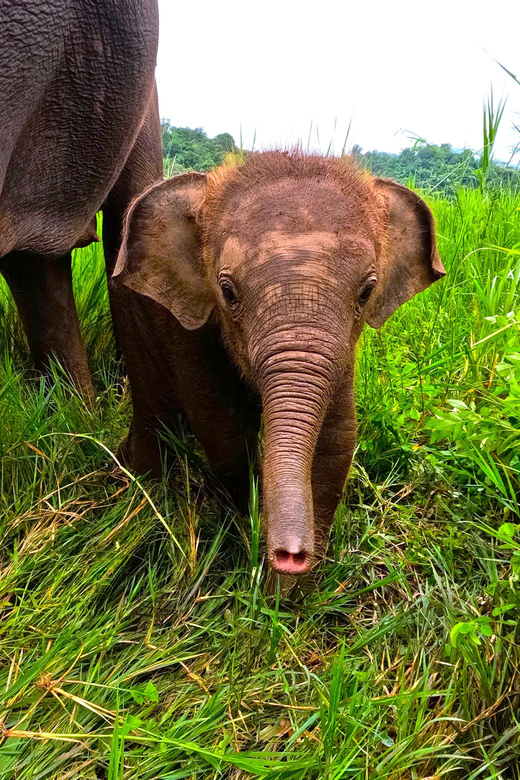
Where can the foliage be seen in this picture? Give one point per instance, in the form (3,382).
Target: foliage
(136,637)
(426,166)
(492,119)
(186,149)
(438,168)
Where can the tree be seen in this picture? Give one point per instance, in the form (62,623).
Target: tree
(185,148)
(435,167)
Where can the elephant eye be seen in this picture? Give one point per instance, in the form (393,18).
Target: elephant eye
(367,292)
(229,292)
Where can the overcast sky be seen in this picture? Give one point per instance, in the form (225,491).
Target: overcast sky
(278,71)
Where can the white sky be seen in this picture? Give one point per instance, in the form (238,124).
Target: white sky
(275,71)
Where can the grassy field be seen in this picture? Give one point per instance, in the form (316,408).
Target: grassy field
(136,637)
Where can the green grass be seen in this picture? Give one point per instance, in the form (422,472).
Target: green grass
(136,636)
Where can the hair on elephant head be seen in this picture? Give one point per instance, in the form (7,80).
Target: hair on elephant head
(285,258)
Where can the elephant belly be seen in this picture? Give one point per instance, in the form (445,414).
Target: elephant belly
(72,119)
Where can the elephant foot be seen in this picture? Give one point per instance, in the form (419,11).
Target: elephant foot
(123,454)
(140,454)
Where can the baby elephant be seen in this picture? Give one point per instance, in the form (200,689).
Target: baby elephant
(253,285)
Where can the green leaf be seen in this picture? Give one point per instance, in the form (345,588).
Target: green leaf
(506,531)
(137,695)
(454,634)
(151,692)
(501,610)
(131,723)
(457,404)
(148,693)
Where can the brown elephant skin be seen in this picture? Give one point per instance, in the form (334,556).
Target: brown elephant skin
(251,286)
(79,133)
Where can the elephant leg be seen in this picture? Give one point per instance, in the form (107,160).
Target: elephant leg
(223,412)
(143,168)
(230,450)
(173,370)
(332,460)
(112,231)
(230,443)
(42,290)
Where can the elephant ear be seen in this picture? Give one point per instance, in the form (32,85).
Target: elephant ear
(161,251)
(411,262)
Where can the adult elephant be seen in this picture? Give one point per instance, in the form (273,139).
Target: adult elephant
(79,132)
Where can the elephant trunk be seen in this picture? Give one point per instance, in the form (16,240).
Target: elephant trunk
(296,391)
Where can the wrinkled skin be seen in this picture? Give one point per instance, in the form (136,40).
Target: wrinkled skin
(79,133)
(251,287)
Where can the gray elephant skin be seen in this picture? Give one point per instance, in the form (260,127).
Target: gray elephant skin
(248,288)
(79,132)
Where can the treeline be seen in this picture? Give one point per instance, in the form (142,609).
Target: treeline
(187,149)
(425,166)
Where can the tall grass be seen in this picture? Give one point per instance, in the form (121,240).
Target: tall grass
(136,638)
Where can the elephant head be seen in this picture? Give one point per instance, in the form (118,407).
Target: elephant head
(292,253)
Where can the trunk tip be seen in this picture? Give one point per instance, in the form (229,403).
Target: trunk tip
(286,562)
